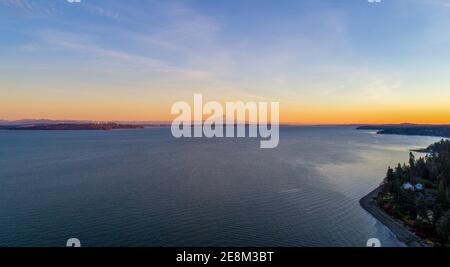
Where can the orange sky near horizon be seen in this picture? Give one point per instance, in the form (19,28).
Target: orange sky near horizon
(290,112)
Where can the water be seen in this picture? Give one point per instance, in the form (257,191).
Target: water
(145,188)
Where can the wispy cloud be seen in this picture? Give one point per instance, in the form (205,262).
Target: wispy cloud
(99,10)
(23,4)
(31,7)
(82,43)
(57,6)
(79,43)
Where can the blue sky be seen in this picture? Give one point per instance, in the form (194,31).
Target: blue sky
(132,59)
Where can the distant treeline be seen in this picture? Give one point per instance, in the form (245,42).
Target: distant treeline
(72,126)
(410,129)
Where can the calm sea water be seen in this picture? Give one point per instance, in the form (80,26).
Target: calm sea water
(145,188)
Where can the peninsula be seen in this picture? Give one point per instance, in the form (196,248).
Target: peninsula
(413,200)
(72,126)
(410,129)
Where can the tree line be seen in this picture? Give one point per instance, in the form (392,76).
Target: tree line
(418,193)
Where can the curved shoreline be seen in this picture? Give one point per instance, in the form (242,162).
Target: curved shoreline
(400,231)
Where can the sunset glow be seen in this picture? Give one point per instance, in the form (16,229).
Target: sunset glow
(327,62)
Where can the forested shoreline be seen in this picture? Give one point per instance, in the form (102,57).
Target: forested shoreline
(418,194)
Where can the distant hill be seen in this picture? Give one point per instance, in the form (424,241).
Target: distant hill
(40,122)
(73,126)
(410,129)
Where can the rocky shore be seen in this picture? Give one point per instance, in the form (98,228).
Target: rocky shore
(398,228)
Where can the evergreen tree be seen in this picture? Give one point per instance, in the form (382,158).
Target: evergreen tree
(422,210)
(390,177)
(412,164)
(443,227)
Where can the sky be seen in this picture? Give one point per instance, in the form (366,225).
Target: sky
(325,62)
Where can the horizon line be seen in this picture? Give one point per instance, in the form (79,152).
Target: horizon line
(169,122)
